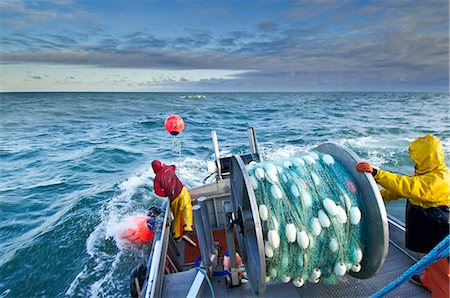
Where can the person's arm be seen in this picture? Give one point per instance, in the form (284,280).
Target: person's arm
(158,189)
(367,168)
(388,195)
(409,187)
(398,186)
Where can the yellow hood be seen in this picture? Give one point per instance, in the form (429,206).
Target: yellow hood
(427,153)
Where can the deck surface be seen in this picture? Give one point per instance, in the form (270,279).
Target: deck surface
(395,265)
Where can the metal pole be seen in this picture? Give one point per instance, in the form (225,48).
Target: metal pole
(206,224)
(216,152)
(234,276)
(199,228)
(252,140)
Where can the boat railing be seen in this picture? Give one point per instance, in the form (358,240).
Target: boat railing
(156,262)
(397,232)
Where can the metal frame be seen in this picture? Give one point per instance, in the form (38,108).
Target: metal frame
(156,262)
(216,153)
(249,230)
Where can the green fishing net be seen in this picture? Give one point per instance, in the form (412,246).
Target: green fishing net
(310,211)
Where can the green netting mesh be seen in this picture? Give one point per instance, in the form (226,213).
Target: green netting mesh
(311,219)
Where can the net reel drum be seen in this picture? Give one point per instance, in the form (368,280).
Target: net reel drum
(250,233)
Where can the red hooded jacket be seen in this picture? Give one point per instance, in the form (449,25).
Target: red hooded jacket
(166,183)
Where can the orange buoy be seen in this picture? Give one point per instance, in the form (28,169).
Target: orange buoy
(174,124)
(138,233)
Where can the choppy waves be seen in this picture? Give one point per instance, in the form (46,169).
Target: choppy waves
(75,166)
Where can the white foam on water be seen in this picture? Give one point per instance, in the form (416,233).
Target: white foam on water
(97,287)
(103,259)
(379,150)
(191,171)
(283,152)
(446,145)
(100,273)
(5,293)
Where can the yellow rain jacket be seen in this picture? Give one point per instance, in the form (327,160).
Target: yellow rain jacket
(429,186)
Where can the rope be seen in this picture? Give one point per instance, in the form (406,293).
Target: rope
(439,252)
(176,148)
(207,279)
(215,273)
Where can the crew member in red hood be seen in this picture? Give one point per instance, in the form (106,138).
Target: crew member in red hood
(167,184)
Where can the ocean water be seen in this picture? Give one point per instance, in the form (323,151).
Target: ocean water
(73,166)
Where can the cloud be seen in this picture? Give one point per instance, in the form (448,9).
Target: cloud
(21,14)
(268,26)
(319,44)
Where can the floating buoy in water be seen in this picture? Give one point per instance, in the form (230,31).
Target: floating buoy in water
(174,124)
(138,233)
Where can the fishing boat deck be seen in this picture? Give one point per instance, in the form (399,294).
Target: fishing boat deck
(397,262)
(179,284)
(215,218)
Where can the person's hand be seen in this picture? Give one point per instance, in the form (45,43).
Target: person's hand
(364,167)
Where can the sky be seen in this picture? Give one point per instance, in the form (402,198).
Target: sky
(224,46)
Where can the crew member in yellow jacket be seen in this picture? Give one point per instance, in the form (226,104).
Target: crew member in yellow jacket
(427,209)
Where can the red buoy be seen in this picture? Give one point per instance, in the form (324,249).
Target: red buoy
(138,232)
(174,124)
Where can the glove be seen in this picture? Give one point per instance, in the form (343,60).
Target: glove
(153,212)
(152,224)
(364,167)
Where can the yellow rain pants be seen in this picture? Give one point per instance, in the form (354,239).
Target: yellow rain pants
(182,211)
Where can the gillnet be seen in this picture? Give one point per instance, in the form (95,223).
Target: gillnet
(310,212)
